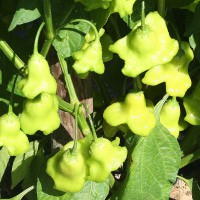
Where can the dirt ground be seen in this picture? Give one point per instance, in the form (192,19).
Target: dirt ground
(181,191)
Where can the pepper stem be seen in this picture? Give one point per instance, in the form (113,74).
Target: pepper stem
(90,121)
(35,50)
(92,26)
(137,85)
(143,16)
(77,106)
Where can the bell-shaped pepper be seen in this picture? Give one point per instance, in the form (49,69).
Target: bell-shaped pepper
(105,157)
(133,112)
(89,58)
(69,169)
(191,104)
(146,46)
(11,136)
(123,7)
(94,4)
(38,78)
(169,117)
(41,114)
(174,74)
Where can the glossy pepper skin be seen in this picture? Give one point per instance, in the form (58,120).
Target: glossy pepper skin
(191,104)
(105,157)
(89,58)
(11,136)
(69,170)
(94,4)
(38,78)
(133,112)
(146,47)
(41,114)
(123,7)
(174,74)
(169,117)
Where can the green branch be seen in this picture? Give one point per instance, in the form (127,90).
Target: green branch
(49,28)
(11,55)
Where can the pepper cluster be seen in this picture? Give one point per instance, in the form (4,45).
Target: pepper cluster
(40,109)
(149,47)
(92,160)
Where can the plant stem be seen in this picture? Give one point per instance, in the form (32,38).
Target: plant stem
(161,8)
(11,55)
(190,158)
(143,16)
(85,129)
(35,49)
(77,106)
(70,87)
(49,28)
(92,26)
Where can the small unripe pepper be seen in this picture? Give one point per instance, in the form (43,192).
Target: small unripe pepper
(38,78)
(94,4)
(89,58)
(11,136)
(133,112)
(191,104)
(68,169)
(174,74)
(105,157)
(146,46)
(123,7)
(169,117)
(41,114)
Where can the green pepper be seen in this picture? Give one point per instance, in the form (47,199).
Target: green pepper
(146,46)
(133,112)
(11,136)
(89,58)
(41,114)
(105,157)
(169,117)
(94,4)
(123,7)
(68,169)
(191,104)
(38,78)
(174,74)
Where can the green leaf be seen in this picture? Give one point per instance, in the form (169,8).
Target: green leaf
(71,38)
(27,11)
(93,191)
(4,158)
(21,165)
(21,195)
(154,167)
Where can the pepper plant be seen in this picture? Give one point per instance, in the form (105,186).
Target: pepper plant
(136,62)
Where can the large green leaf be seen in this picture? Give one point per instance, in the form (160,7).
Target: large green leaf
(4,158)
(27,11)
(70,38)
(93,191)
(154,166)
(21,165)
